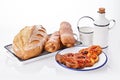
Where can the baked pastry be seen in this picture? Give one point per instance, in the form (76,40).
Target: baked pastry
(54,43)
(95,49)
(92,53)
(84,58)
(29,42)
(66,34)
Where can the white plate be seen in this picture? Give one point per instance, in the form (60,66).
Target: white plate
(102,59)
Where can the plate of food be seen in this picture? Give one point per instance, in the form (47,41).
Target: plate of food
(82,58)
(33,43)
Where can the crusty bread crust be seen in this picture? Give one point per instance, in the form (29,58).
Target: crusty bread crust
(66,34)
(29,42)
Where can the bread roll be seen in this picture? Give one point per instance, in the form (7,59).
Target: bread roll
(66,34)
(53,44)
(29,42)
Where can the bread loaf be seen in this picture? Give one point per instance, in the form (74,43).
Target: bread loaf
(29,42)
(66,34)
(53,44)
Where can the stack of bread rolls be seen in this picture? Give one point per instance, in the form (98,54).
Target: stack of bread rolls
(62,38)
(32,40)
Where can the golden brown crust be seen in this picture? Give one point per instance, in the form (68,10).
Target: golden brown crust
(95,49)
(27,54)
(66,34)
(53,44)
(29,42)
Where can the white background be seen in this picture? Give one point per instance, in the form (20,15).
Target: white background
(16,14)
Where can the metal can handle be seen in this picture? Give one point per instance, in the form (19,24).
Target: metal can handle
(77,39)
(82,18)
(114,23)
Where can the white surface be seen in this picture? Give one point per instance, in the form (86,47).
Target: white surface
(15,14)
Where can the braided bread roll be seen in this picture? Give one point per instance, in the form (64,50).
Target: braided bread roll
(53,44)
(29,42)
(66,34)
